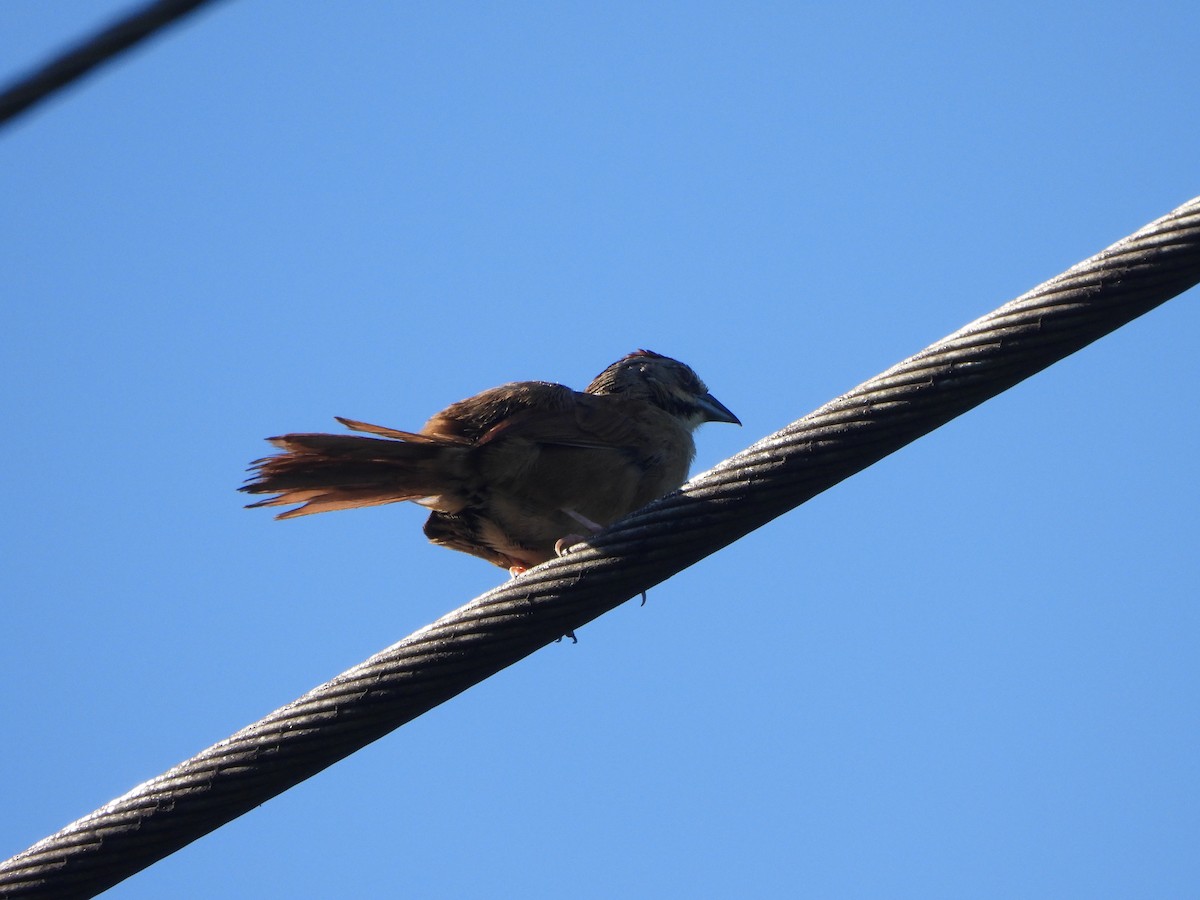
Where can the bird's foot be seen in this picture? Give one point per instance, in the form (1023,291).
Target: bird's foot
(515,571)
(565,545)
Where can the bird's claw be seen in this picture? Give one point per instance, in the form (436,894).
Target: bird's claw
(564,545)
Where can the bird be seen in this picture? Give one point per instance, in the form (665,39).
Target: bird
(512,474)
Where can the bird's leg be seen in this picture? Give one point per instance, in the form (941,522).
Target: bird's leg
(583,520)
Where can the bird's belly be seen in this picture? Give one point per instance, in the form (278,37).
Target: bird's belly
(537,498)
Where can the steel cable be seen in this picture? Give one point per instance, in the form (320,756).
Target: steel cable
(714,509)
(90,53)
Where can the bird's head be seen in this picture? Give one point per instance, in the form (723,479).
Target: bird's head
(665,382)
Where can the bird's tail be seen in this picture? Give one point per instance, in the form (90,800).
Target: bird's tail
(341,471)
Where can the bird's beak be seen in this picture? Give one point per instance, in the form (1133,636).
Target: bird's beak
(716,411)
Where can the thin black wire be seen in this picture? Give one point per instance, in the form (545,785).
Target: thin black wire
(92,52)
(716,508)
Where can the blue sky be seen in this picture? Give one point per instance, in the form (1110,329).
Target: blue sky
(969,671)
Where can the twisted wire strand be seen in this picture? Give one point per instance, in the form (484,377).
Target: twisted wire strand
(90,53)
(714,509)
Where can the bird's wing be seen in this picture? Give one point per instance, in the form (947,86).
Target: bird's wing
(471,419)
(580,420)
